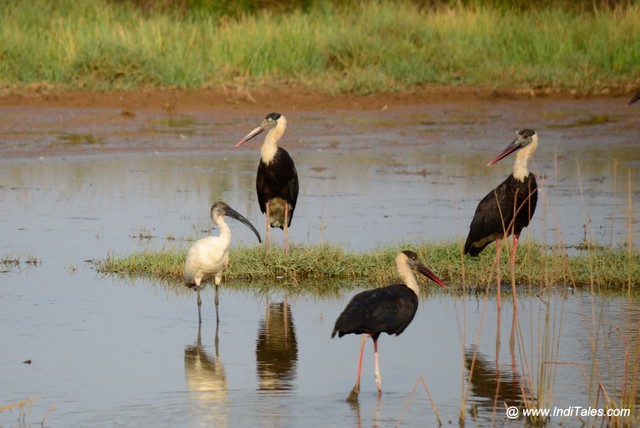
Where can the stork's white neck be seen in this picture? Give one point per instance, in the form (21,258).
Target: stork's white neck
(520,170)
(270,145)
(406,274)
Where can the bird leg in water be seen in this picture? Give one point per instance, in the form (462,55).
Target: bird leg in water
(286,228)
(215,300)
(199,305)
(376,370)
(353,396)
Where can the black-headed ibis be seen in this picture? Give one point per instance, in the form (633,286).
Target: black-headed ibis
(387,309)
(208,257)
(277,178)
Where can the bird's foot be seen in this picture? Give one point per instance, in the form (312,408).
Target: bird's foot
(353,396)
(379,384)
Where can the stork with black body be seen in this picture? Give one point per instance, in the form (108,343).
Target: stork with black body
(508,208)
(208,257)
(387,309)
(277,178)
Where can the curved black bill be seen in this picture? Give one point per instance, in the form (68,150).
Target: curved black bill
(230,212)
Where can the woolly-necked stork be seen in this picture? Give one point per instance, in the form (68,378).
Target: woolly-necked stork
(277,179)
(387,309)
(508,208)
(208,257)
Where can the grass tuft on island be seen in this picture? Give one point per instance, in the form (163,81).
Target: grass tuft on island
(590,266)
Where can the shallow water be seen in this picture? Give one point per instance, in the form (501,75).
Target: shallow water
(78,184)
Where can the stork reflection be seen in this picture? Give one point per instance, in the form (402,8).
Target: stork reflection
(207,382)
(276,349)
(490,386)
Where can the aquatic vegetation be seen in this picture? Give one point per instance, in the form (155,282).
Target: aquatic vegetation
(538,267)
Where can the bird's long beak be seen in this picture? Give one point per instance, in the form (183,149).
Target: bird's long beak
(432,276)
(230,212)
(514,146)
(257,130)
(634,99)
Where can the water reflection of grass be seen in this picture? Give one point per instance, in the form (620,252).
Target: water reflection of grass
(538,267)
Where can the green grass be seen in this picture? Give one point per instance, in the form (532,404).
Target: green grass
(538,267)
(361,47)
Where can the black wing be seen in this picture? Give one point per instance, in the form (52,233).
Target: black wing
(494,217)
(380,310)
(278,179)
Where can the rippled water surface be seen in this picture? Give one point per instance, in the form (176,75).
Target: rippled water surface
(79,184)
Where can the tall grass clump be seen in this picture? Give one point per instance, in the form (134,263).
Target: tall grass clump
(357,47)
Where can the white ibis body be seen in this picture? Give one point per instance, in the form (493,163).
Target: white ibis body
(387,309)
(508,208)
(209,257)
(277,178)
(635,98)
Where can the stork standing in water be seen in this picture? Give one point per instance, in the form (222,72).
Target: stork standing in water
(388,310)
(277,179)
(209,257)
(635,98)
(508,208)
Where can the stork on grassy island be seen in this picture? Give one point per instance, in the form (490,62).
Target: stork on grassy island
(387,309)
(208,257)
(508,208)
(277,178)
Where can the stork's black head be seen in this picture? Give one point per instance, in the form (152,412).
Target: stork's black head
(411,255)
(273,116)
(526,133)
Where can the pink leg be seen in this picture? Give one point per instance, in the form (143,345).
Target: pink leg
(515,247)
(286,228)
(362,341)
(512,262)
(377,371)
(268,232)
(353,396)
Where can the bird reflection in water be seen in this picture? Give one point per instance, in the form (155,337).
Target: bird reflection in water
(277,349)
(490,386)
(207,382)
